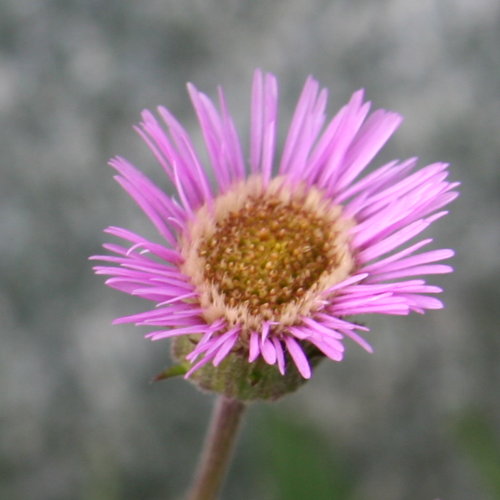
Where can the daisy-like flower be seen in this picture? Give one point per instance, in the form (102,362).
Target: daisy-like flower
(268,258)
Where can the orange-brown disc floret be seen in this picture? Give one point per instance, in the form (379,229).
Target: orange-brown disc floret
(268,254)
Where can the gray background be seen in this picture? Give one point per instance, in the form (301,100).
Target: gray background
(419,419)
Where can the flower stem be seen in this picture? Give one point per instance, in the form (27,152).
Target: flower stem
(217,449)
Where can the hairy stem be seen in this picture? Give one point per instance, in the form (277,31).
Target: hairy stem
(217,450)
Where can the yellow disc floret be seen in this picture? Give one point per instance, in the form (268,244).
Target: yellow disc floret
(266,254)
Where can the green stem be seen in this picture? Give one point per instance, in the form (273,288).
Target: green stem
(217,449)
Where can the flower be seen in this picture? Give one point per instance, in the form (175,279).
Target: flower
(270,259)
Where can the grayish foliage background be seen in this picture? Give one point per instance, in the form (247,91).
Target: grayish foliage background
(417,420)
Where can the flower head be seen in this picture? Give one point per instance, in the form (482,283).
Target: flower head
(267,260)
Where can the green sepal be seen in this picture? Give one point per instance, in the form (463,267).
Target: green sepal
(237,378)
(171,371)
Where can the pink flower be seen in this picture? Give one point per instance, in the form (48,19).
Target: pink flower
(266,255)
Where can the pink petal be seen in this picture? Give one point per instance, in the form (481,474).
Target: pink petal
(268,352)
(280,356)
(298,356)
(254,348)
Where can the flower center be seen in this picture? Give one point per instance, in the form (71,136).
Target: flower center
(267,253)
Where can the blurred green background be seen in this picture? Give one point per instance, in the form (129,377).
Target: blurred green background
(417,420)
